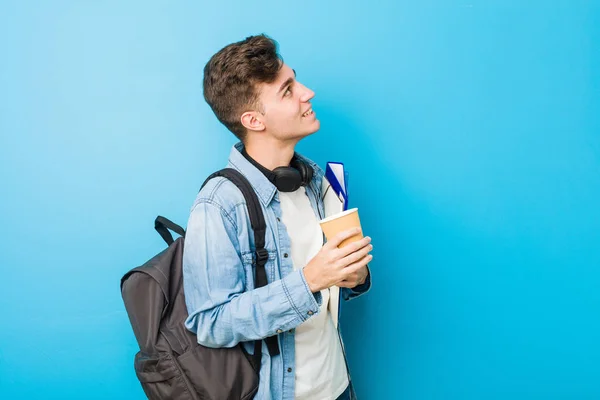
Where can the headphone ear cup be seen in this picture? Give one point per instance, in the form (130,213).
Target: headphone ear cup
(287,179)
(306,172)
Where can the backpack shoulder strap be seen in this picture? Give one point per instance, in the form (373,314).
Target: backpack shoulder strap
(257,221)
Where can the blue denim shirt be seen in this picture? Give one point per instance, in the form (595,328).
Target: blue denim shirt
(224,307)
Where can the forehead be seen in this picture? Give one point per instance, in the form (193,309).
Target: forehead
(285,72)
(283,75)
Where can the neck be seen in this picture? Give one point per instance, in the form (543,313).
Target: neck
(271,154)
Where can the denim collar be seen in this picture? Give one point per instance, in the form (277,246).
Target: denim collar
(264,188)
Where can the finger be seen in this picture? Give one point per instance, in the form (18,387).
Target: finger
(340,237)
(359,276)
(357,255)
(351,283)
(350,269)
(346,284)
(354,247)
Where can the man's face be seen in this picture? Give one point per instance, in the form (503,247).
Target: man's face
(286,105)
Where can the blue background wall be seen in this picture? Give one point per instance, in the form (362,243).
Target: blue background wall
(470,130)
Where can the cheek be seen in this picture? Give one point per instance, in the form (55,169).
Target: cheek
(288,113)
(282,115)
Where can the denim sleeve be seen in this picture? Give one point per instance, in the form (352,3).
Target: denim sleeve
(221,313)
(351,293)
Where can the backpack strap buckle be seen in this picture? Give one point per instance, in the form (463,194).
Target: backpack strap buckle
(262,255)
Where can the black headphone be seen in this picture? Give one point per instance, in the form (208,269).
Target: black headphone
(289,179)
(286,179)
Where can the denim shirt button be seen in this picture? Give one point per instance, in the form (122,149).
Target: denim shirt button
(289,370)
(285,255)
(279,331)
(310,313)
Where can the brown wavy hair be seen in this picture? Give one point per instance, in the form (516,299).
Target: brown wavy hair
(232,75)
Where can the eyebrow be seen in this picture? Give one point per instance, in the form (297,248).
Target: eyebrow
(287,82)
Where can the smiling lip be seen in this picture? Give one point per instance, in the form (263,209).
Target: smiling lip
(308,113)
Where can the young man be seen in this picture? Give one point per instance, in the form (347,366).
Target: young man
(257,97)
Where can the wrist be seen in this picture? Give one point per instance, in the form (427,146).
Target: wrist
(310,280)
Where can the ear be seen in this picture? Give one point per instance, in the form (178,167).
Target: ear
(253,121)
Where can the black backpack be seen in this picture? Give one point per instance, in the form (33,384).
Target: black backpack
(171,364)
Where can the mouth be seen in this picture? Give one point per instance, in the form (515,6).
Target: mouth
(308,113)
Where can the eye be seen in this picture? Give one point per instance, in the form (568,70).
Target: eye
(288,91)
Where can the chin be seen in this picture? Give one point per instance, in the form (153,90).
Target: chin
(310,132)
(314,127)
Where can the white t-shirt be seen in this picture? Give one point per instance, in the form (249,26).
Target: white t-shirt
(320,367)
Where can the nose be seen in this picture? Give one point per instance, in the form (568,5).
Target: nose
(307,94)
